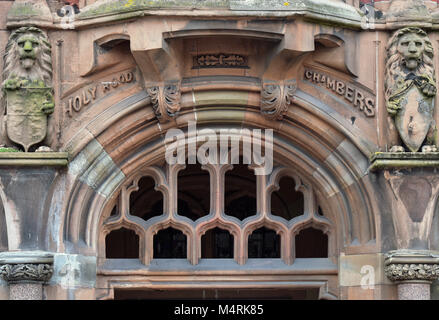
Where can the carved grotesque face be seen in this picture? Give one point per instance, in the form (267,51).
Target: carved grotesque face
(28,48)
(411,47)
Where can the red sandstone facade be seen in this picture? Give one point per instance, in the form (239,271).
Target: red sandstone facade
(91,209)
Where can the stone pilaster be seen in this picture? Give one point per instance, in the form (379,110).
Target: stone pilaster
(413,271)
(26,273)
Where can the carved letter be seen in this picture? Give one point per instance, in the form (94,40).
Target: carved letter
(93,92)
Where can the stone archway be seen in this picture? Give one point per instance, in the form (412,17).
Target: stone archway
(107,163)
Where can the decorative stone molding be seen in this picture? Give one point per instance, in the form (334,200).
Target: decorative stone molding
(411,272)
(410,87)
(403,160)
(22,267)
(276,97)
(13,273)
(165,100)
(411,266)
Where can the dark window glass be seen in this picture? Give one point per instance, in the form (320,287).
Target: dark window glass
(170,243)
(264,243)
(217,243)
(311,243)
(287,202)
(122,244)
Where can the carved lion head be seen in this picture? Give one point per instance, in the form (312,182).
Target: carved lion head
(28,56)
(409,51)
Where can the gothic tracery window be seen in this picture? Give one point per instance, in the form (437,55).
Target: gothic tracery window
(216,212)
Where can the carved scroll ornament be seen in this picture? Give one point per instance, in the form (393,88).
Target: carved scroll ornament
(410,87)
(27,86)
(165,100)
(276,97)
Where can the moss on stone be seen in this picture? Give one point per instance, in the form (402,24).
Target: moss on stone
(5,149)
(115,7)
(23,10)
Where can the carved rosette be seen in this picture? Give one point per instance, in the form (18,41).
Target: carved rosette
(165,100)
(276,97)
(26,272)
(409,266)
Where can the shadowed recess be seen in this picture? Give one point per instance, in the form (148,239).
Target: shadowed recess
(311,243)
(217,243)
(170,244)
(240,192)
(122,244)
(3,230)
(287,202)
(146,202)
(193,192)
(264,243)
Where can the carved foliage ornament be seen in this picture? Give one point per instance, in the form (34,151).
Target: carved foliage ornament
(276,97)
(412,272)
(26,272)
(410,86)
(27,86)
(165,100)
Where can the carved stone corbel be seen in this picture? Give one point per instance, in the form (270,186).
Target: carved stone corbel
(165,100)
(276,97)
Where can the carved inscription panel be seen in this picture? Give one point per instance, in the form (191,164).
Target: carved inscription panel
(357,97)
(76,103)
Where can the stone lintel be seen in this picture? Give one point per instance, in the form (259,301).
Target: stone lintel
(403,160)
(36,159)
(414,266)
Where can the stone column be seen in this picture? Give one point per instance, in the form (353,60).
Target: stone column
(26,272)
(413,271)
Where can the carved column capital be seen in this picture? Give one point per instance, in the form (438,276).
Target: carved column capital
(276,97)
(411,266)
(19,267)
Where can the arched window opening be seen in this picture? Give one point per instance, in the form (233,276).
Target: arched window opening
(146,202)
(240,192)
(311,243)
(217,244)
(287,202)
(193,192)
(320,211)
(122,244)
(264,243)
(170,244)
